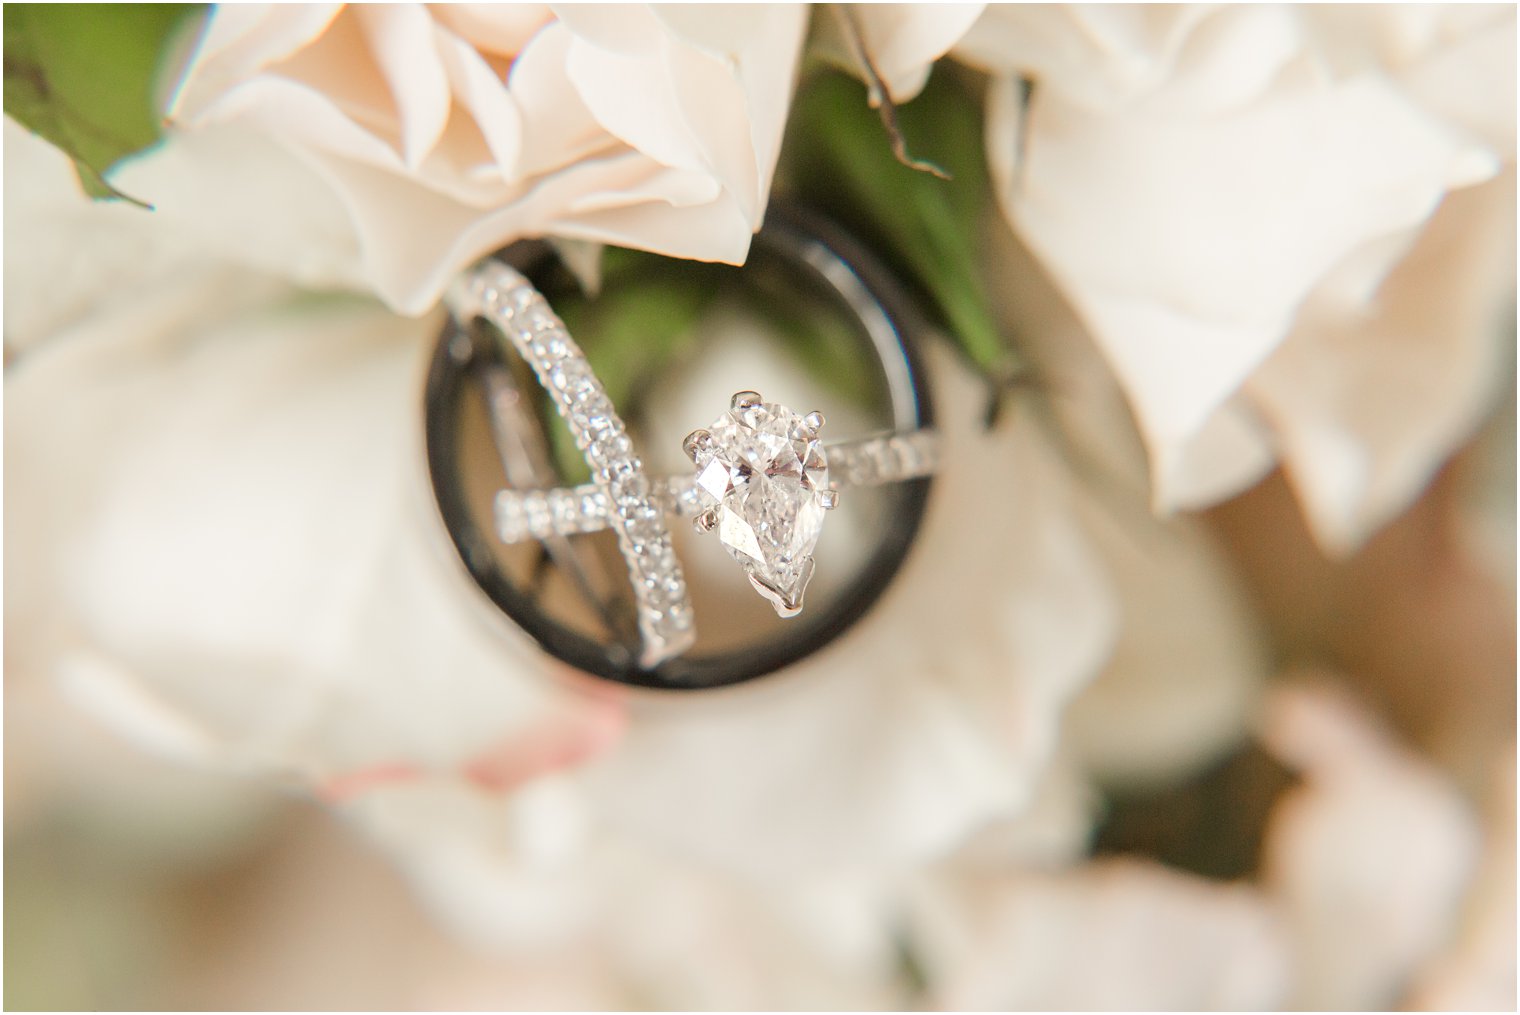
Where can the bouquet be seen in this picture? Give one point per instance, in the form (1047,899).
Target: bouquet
(1195,686)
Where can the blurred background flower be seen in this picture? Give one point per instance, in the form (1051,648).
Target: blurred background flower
(1197,690)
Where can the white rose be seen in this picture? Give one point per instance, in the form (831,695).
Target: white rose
(451,130)
(83,257)
(1225,195)
(1366,862)
(902,41)
(1189,661)
(1369,858)
(230,556)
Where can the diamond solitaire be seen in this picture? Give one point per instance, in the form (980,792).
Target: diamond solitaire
(763,482)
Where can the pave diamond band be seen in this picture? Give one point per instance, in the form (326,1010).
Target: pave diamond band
(524,515)
(625,498)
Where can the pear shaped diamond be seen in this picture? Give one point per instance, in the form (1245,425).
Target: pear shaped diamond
(763,481)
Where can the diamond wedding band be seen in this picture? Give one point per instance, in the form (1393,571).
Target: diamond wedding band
(507,300)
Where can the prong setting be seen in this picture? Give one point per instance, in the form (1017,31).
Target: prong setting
(786,602)
(762,486)
(695,442)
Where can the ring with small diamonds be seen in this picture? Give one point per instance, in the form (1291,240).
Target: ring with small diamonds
(502,296)
(762,482)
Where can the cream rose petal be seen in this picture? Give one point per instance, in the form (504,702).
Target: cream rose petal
(132,804)
(242,39)
(475,864)
(496,116)
(1369,858)
(1369,396)
(1190,662)
(1053,830)
(1455,60)
(631,94)
(497,29)
(407,53)
(781,945)
(557,127)
(763,45)
(758,53)
(1184,324)
(711,104)
(61,277)
(1112,935)
(902,40)
(1477,971)
(416,240)
(1109,57)
(1255,131)
(329,92)
(1231,453)
(614,124)
(536,876)
(83,256)
(875,771)
(300,116)
(249,537)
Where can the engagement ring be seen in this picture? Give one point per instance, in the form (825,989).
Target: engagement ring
(763,478)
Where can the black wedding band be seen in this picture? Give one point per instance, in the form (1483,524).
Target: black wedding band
(806,250)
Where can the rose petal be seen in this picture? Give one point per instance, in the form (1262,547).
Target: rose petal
(1234,450)
(401,38)
(1369,858)
(557,127)
(499,29)
(84,255)
(1113,935)
(904,40)
(1182,684)
(1290,150)
(1101,57)
(1477,972)
(239,41)
(762,47)
(677,102)
(1182,325)
(483,96)
(1368,397)
(248,536)
(415,240)
(669,146)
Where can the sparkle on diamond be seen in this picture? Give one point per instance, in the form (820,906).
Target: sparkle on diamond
(765,473)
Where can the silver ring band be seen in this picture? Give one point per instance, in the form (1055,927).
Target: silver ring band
(625,498)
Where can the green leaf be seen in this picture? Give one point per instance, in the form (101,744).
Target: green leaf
(818,336)
(644,323)
(839,158)
(82,76)
(640,325)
